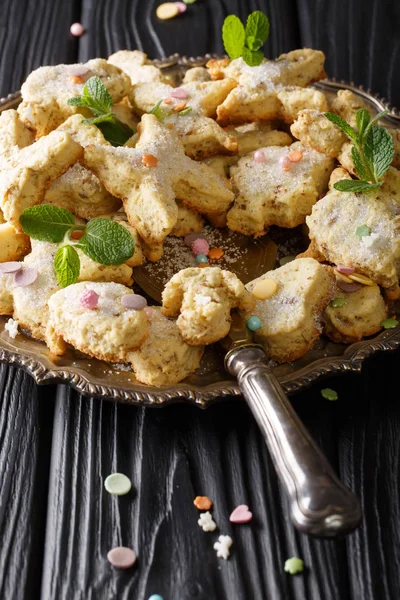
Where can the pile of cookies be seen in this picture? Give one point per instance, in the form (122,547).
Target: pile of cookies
(239,146)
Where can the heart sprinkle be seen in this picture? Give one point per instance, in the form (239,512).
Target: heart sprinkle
(179,93)
(241,514)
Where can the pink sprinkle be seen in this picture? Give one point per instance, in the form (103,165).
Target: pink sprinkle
(259,156)
(10,267)
(345,270)
(181,6)
(349,288)
(179,93)
(149,311)
(25,276)
(89,299)
(133,301)
(121,557)
(76,29)
(285,163)
(191,237)
(200,246)
(241,514)
(77,70)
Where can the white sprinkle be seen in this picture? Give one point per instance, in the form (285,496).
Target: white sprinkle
(201,300)
(12,327)
(222,546)
(206,522)
(372,241)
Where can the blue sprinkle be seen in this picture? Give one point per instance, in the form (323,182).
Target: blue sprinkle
(200,258)
(156,597)
(253,323)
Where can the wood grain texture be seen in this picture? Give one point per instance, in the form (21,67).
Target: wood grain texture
(173,454)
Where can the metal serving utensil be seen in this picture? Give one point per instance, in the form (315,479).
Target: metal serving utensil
(320,504)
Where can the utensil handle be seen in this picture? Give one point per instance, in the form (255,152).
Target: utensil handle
(320,503)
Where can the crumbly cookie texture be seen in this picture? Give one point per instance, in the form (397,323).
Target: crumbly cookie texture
(203,299)
(108,332)
(291,318)
(137,66)
(13,245)
(361,315)
(196,74)
(266,194)
(46,92)
(164,358)
(188,221)
(150,176)
(334,221)
(13,134)
(23,182)
(273,90)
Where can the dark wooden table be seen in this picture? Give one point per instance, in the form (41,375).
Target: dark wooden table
(57,522)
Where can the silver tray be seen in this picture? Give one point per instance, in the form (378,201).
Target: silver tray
(211,382)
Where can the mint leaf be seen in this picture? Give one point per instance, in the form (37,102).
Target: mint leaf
(46,223)
(362,170)
(115,132)
(355,185)
(362,120)
(107,242)
(99,119)
(78,101)
(363,231)
(377,117)
(342,124)
(233,36)
(257,30)
(253,59)
(99,94)
(67,265)
(378,150)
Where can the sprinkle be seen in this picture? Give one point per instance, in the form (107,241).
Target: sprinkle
(337,302)
(361,279)
(89,299)
(76,235)
(285,260)
(362,231)
(181,7)
(390,323)
(179,93)
(349,288)
(133,301)
(202,265)
(12,327)
(202,502)
(295,156)
(200,246)
(329,394)
(372,240)
(76,29)
(201,259)
(215,253)
(148,160)
(259,156)
(121,557)
(241,514)
(156,597)
(294,565)
(10,267)
(342,277)
(168,10)
(118,484)
(179,107)
(185,111)
(206,522)
(253,323)
(77,70)
(25,276)
(264,289)
(202,300)
(149,311)
(167,101)
(285,163)
(191,237)
(189,1)
(75,79)
(344,270)
(222,546)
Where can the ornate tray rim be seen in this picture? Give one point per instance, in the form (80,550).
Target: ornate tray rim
(351,361)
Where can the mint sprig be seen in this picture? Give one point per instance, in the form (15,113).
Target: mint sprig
(97,99)
(104,241)
(246,42)
(372,151)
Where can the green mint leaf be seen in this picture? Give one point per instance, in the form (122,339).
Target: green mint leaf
(99,94)
(355,185)
(253,59)
(67,265)
(362,170)
(233,36)
(185,111)
(362,120)
(107,242)
(46,223)
(363,231)
(115,132)
(257,29)
(377,117)
(343,125)
(378,151)
(78,101)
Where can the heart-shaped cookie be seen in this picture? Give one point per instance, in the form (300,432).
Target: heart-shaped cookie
(241,514)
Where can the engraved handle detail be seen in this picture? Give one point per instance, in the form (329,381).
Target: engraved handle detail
(320,503)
